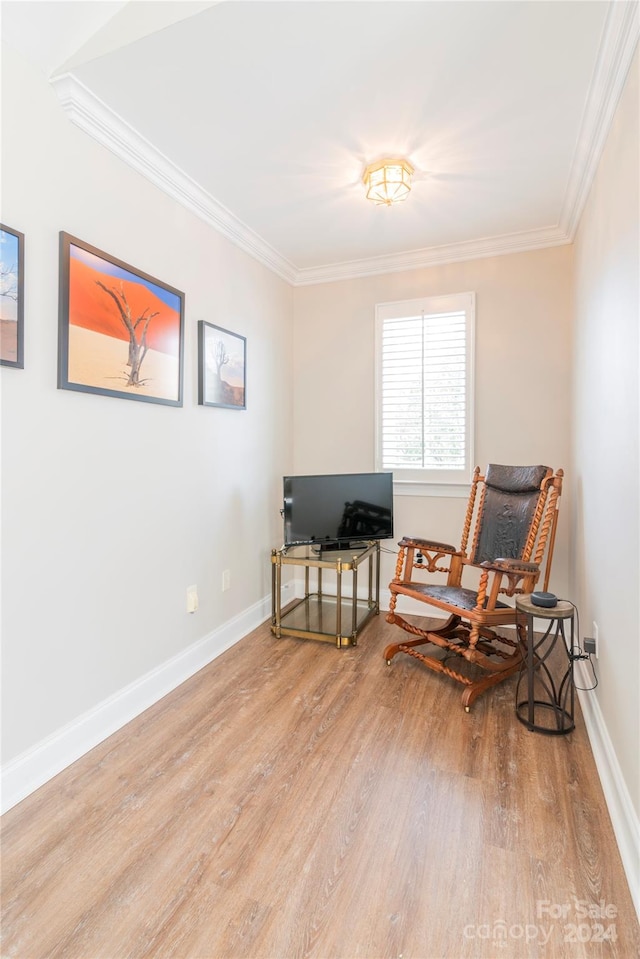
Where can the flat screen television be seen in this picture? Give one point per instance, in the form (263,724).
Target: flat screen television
(337,510)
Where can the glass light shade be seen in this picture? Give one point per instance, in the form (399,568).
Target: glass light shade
(388,181)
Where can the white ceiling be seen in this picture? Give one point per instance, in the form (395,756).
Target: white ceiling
(260,116)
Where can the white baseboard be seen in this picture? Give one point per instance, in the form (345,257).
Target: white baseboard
(27,772)
(626,825)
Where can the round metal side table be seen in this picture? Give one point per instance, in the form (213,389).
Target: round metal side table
(549,706)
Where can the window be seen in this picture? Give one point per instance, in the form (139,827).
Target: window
(425,391)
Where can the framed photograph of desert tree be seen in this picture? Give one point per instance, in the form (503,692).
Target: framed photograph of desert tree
(120,331)
(222,367)
(11,297)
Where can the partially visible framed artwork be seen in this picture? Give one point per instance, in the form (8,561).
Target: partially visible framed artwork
(222,367)
(120,331)
(11,297)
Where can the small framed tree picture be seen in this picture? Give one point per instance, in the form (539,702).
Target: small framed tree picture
(120,331)
(11,297)
(222,367)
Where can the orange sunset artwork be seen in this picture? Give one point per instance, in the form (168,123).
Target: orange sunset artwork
(124,330)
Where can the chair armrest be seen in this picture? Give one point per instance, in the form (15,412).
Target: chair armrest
(514,570)
(428,544)
(510,566)
(430,553)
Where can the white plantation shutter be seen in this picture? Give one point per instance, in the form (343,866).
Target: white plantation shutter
(424,402)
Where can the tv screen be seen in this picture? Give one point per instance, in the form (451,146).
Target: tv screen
(339,509)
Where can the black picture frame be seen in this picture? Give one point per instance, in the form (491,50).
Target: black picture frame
(11,297)
(120,330)
(217,348)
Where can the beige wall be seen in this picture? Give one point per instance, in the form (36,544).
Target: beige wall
(522,376)
(605,468)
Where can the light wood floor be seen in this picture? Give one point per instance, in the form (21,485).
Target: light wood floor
(295,800)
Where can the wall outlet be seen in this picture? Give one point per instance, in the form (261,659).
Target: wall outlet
(595,636)
(192,599)
(226,580)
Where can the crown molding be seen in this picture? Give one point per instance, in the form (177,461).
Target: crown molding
(615,54)
(434,256)
(617,47)
(93,116)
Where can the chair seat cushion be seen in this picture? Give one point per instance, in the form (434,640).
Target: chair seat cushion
(452,595)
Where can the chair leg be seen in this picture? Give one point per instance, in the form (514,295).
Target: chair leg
(424,636)
(437,665)
(472,692)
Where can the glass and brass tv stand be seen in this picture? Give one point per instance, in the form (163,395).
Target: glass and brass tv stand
(331,617)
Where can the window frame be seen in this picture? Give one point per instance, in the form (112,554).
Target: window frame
(425,481)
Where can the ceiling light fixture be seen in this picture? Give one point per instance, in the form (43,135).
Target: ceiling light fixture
(388,181)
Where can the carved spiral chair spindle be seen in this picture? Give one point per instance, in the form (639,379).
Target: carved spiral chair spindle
(513,511)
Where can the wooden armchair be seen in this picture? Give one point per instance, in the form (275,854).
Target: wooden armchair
(513,511)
